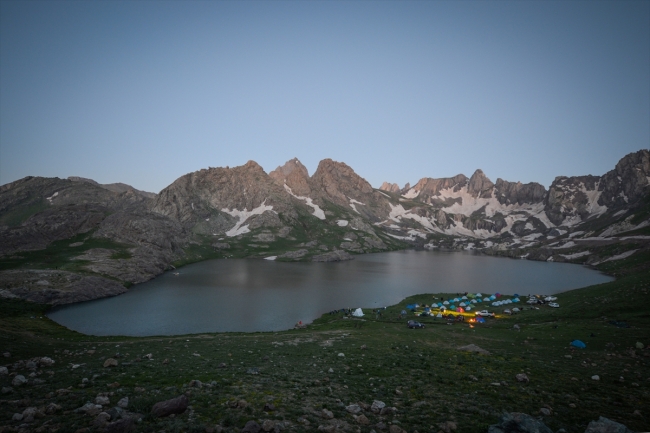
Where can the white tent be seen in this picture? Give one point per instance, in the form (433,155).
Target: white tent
(445,303)
(439,315)
(462,304)
(474,301)
(358,313)
(464,298)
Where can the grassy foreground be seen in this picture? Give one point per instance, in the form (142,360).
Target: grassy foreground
(290,377)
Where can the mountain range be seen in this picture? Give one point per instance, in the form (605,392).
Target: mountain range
(66,240)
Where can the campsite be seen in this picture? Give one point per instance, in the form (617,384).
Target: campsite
(465,374)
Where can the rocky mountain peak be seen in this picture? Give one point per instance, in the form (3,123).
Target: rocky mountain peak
(390,187)
(338,181)
(479,185)
(295,175)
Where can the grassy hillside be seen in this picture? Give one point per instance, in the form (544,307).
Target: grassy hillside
(291,376)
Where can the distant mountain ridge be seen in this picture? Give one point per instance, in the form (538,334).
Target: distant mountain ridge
(118,233)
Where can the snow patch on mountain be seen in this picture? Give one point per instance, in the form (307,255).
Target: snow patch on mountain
(621,256)
(243,215)
(353,202)
(576,255)
(342,223)
(411,193)
(318,212)
(398,212)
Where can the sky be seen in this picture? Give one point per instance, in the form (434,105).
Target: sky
(144,92)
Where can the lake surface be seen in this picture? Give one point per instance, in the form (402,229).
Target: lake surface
(259,295)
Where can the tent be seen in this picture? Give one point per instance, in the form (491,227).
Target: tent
(358,313)
(464,298)
(452,307)
(445,303)
(478,295)
(479,319)
(516,295)
(515,300)
(486,299)
(578,344)
(473,301)
(479,300)
(439,315)
(468,308)
(462,304)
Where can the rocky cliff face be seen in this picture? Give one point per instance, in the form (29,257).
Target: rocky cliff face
(294,175)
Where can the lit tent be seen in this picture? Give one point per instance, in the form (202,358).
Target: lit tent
(358,313)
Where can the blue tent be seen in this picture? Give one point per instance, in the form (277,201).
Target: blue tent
(480,320)
(578,344)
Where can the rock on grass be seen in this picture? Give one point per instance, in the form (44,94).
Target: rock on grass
(176,405)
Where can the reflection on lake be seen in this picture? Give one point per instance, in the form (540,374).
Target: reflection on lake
(259,295)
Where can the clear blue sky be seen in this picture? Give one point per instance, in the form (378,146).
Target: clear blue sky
(143,92)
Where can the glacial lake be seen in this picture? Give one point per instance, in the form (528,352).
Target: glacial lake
(258,295)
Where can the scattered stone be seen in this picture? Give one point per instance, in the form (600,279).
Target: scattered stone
(595,377)
(19,380)
(327,414)
(251,427)
(165,361)
(331,370)
(326,428)
(353,409)
(253,370)
(516,327)
(6,355)
(46,362)
(447,426)
(89,409)
(176,405)
(377,406)
(268,425)
(388,411)
(362,419)
(522,377)
(102,400)
(394,428)
(604,425)
(123,403)
(195,384)
(124,425)
(568,356)
(518,423)
(17,417)
(3,370)
(572,405)
(474,348)
(342,355)
(52,408)
(242,404)
(7,389)
(222,365)
(101,420)
(544,411)
(110,362)
(364,347)
(398,392)
(268,407)
(29,414)
(639,345)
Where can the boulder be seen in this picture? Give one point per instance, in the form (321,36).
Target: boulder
(516,422)
(362,419)
(268,425)
(123,403)
(124,425)
(604,425)
(110,362)
(377,406)
(327,414)
(353,409)
(102,400)
(522,377)
(19,380)
(3,371)
(176,405)
(251,427)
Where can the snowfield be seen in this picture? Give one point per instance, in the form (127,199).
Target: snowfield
(243,215)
